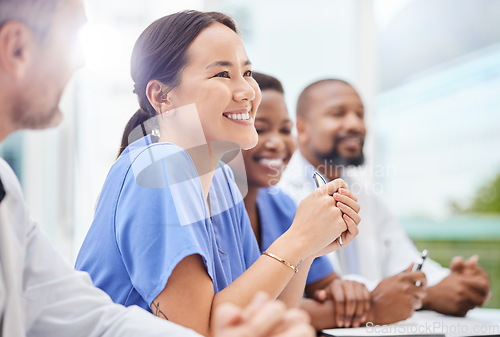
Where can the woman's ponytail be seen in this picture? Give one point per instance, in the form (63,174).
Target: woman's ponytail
(139,118)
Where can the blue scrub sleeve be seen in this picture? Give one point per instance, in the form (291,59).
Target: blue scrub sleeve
(151,229)
(320,268)
(250,245)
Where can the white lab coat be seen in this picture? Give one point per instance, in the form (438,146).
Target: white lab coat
(382,246)
(42,295)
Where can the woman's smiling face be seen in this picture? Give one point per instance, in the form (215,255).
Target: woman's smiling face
(266,161)
(218,80)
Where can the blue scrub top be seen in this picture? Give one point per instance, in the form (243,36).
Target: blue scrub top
(151,214)
(276,213)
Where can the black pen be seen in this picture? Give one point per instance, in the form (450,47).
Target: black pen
(320,181)
(419,264)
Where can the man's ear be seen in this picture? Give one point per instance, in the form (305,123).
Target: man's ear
(16,48)
(158,96)
(302,130)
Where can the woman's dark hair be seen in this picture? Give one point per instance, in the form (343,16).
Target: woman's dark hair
(266,82)
(160,53)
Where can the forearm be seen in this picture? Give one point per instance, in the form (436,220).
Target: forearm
(430,300)
(137,322)
(444,300)
(293,293)
(322,314)
(270,276)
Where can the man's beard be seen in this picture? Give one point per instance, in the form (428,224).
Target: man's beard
(335,158)
(25,116)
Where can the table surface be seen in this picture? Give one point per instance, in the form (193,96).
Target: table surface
(478,322)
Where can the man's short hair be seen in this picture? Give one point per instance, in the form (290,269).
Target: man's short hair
(304,100)
(266,82)
(36,14)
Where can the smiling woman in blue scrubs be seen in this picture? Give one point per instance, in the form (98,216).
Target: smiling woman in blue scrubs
(170,232)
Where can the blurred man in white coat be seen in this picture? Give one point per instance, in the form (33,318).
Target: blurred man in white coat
(331,132)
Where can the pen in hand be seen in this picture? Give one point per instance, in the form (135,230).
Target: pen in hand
(419,264)
(320,181)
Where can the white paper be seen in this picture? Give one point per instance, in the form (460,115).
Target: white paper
(478,322)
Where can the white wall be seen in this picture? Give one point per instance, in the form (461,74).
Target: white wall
(440,134)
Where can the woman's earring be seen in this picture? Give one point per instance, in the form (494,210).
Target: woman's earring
(165,99)
(164,96)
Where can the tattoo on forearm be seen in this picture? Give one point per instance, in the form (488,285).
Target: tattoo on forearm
(157,311)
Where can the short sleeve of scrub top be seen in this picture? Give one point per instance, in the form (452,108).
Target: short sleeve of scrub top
(152,214)
(276,213)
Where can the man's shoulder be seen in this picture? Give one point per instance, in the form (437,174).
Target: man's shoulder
(362,186)
(13,208)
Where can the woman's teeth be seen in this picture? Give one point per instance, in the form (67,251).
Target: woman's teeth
(238,116)
(271,162)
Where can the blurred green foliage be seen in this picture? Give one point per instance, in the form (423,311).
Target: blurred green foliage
(486,200)
(442,251)
(479,215)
